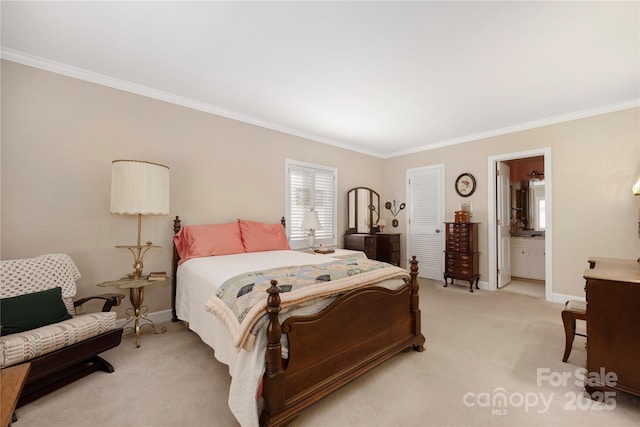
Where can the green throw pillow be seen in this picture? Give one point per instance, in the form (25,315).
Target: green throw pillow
(30,311)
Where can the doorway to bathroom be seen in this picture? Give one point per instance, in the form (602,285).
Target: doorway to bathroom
(520,223)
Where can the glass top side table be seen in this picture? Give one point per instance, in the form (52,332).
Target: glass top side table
(139,312)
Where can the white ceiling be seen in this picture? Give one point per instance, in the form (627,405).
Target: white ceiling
(383,78)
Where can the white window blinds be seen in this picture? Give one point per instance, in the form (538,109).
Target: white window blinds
(311,187)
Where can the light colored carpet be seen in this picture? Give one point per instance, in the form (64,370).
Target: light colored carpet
(479,345)
(534,288)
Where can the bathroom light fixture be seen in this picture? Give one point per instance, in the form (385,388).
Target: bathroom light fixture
(536,175)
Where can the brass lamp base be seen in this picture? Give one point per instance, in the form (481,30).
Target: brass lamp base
(138,314)
(138,255)
(136,284)
(138,251)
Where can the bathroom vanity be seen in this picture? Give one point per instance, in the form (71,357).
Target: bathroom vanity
(527,257)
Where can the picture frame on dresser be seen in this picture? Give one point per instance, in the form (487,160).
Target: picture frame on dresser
(466,206)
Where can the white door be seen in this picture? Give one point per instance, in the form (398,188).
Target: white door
(503,190)
(425,226)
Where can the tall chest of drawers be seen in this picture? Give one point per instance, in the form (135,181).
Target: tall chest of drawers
(382,247)
(461,253)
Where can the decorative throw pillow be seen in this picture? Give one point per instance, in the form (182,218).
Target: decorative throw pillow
(194,241)
(259,236)
(30,311)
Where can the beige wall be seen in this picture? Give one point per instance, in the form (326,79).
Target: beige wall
(59,136)
(595,161)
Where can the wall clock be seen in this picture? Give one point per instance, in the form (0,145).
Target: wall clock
(465,185)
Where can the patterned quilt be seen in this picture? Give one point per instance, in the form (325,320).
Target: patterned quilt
(241,301)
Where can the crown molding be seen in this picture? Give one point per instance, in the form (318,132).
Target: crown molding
(104,80)
(625,105)
(101,79)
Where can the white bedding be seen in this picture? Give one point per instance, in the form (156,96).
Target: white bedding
(197,280)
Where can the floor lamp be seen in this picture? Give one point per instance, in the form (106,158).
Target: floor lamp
(139,188)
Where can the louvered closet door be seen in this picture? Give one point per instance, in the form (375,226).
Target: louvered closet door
(425,227)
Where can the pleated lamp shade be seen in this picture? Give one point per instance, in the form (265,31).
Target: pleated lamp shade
(139,187)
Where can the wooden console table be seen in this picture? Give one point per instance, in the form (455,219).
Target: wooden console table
(12,381)
(613,324)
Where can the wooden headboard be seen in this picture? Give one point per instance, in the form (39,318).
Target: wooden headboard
(177,226)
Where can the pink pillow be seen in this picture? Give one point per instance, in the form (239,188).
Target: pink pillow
(194,241)
(258,236)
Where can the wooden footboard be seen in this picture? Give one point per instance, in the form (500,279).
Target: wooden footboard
(357,332)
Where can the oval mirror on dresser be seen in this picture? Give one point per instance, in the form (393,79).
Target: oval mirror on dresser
(364,210)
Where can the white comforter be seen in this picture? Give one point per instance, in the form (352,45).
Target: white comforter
(198,279)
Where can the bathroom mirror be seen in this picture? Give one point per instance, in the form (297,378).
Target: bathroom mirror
(537,202)
(363,206)
(528,204)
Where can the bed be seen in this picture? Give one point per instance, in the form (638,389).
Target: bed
(301,351)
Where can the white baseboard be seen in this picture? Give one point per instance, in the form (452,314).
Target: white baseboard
(553,297)
(562,298)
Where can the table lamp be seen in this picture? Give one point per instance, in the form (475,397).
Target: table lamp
(311,223)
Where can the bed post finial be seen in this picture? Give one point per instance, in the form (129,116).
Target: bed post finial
(274,331)
(174,270)
(415,304)
(413,271)
(273,378)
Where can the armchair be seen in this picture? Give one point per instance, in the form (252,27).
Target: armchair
(61,350)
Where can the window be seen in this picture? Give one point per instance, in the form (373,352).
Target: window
(309,187)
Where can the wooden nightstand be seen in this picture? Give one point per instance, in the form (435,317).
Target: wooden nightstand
(138,311)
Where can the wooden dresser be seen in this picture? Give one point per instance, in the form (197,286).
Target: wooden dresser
(461,253)
(613,325)
(382,246)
